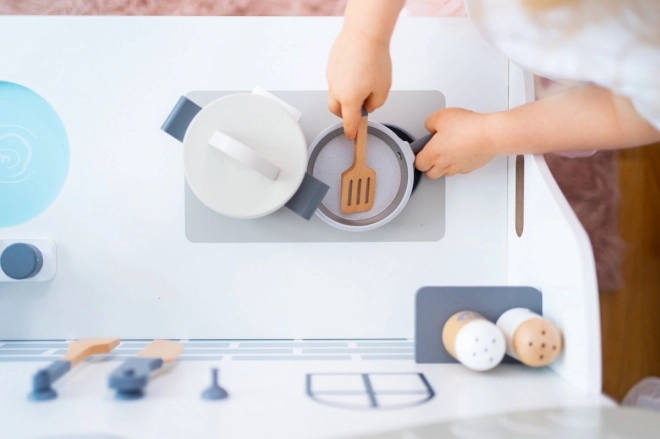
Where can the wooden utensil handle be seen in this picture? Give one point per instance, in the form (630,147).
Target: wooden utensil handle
(360,143)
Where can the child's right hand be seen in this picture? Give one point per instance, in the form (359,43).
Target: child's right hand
(359,73)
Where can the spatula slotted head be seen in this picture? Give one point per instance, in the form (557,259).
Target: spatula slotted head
(358,189)
(358,183)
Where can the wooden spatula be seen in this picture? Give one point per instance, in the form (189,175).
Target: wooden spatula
(78,351)
(358,183)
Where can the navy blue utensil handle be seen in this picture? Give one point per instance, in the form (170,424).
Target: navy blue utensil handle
(133,375)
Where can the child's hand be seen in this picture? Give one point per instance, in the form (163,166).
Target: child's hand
(461,144)
(359,73)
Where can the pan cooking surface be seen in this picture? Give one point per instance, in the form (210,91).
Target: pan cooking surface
(337,156)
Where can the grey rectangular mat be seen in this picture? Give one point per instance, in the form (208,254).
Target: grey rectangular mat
(423,218)
(434,306)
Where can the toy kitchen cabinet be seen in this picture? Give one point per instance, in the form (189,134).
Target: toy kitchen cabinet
(311,327)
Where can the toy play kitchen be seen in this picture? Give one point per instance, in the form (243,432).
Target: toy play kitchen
(176,260)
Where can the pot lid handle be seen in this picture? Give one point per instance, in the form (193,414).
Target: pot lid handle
(243,154)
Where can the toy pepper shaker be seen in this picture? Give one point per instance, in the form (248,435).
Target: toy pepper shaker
(474,341)
(530,338)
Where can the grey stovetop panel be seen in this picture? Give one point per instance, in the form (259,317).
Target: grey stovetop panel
(423,218)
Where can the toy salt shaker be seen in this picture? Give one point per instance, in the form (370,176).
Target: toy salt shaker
(530,338)
(474,341)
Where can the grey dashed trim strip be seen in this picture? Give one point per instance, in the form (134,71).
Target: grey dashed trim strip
(228,350)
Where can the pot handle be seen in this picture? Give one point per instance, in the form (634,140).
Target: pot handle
(420,143)
(308,197)
(243,154)
(185,110)
(180,117)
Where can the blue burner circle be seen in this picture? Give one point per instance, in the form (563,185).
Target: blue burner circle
(34,154)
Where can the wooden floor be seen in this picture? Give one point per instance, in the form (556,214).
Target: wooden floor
(630,317)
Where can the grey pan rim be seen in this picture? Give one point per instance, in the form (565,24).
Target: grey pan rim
(400,148)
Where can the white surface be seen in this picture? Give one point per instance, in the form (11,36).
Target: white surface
(244,154)
(480,345)
(554,255)
(267,399)
(119,221)
(226,184)
(48,253)
(294,112)
(509,323)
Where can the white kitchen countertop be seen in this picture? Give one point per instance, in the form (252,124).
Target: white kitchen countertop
(267,399)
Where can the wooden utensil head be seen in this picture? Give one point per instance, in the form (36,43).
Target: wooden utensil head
(166,350)
(83,348)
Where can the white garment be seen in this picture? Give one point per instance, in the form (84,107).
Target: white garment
(612,43)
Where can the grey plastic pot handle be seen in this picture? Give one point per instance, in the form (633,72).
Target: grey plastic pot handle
(420,143)
(308,197)
(180,117)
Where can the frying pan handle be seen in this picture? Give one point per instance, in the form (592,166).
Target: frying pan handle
(243,154)
(420,143)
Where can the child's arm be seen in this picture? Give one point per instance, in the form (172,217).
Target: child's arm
(580,119)
(360,70)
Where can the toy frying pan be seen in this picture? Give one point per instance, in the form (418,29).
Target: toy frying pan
(393,159)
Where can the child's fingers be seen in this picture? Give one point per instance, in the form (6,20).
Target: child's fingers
(435,172)
(334,106)
(375,100)
(431,122)
(351,113)
(425,159)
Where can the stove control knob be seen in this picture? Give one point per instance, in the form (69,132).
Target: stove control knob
(21,261)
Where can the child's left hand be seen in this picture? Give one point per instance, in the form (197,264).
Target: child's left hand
(461,144)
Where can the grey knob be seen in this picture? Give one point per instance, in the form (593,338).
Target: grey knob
(21,261)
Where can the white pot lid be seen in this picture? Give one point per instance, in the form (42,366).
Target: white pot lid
(244,155)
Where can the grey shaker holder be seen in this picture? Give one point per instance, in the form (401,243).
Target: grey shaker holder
(304,202)
(434,306)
